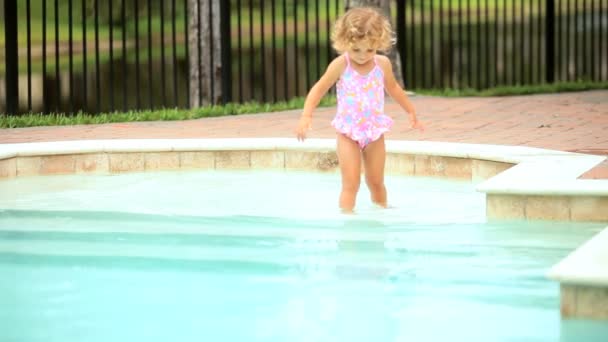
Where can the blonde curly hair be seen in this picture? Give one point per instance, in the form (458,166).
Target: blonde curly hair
(363,24)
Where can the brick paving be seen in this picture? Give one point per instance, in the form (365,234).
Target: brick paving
(575,122)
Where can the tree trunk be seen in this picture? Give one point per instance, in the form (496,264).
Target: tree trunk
(204,46)
(385,6)
(193,63)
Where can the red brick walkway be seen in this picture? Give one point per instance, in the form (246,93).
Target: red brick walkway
(576,122)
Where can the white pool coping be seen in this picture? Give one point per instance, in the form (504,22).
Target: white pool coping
(537,172)
(587,265)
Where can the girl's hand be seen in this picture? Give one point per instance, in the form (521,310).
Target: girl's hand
(417,124)
(303,126)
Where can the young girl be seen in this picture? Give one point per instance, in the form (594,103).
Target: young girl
(360,121)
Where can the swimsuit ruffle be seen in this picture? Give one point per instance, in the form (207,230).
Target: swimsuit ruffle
(363,132)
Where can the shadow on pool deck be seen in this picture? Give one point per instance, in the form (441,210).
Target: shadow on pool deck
(575,122)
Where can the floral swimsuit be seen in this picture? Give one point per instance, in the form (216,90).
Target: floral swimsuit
(360,115)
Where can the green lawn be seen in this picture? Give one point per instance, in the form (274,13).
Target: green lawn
(517,90)
(35,119)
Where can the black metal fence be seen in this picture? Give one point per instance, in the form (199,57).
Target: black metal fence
(108,55)
(94,55)
(282,56)
(482,44)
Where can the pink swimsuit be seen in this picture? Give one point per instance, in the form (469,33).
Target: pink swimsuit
(360,115)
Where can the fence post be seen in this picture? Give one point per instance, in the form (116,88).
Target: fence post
(206,69)
(401,34)
(12,56)
(193,57)
(226,51)
(550,42)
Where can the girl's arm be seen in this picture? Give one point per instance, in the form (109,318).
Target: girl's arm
(329,78)
(396,92)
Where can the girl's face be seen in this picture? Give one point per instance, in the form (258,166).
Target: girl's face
(361,52)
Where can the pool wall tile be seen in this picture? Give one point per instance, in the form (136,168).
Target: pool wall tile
(315,161)
(582,301)
(268,159)
(567,300)
(127,162)
(327,161)
(92,163)
(457,168)
(232,160)
(161,161)
(592,302)
(486,169)
(56,165)
(555,208)
(505,206)
(8,168)
(197,160)
(28,166)
(400,164)
(438,166)
(427,165)
(300,160)
(552,208)
(588,208)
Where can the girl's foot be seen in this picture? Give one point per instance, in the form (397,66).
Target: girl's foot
(381,205)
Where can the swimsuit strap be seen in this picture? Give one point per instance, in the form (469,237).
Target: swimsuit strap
(347,59)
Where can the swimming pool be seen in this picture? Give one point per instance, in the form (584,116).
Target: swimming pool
(265,256)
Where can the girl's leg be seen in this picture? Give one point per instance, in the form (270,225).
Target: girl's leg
(349,157)
(374,157)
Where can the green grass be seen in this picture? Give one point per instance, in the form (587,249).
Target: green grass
(559,87)
(35,119)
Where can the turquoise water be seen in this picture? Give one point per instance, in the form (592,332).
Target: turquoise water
(266,256)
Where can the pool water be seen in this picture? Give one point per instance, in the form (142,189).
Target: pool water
(266,256)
